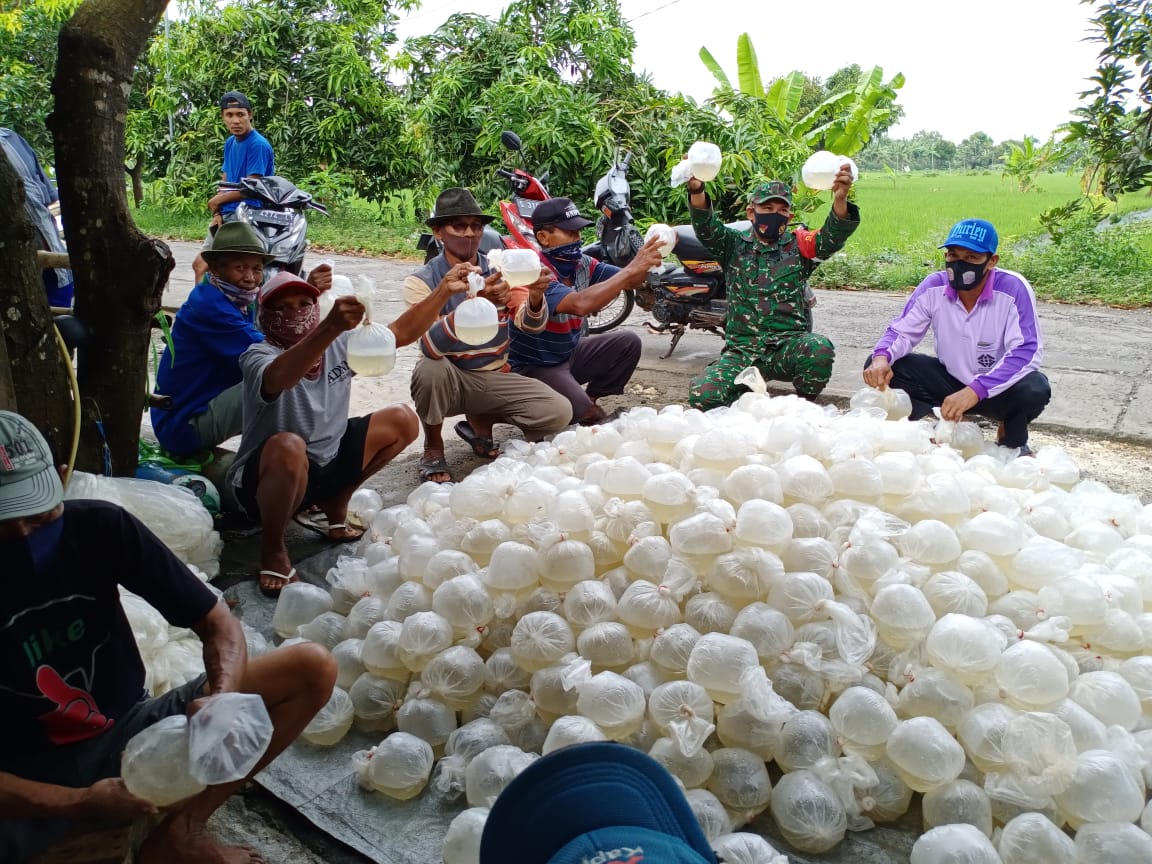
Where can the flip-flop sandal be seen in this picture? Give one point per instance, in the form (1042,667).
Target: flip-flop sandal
(273,591)
(318,524)
(432,465)
(485,448)
(351,533)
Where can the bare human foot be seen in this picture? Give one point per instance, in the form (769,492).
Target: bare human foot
(170,844)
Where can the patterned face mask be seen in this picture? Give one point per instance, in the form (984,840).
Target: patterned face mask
(285,327)
(241,298)
(771,225)
(565,258)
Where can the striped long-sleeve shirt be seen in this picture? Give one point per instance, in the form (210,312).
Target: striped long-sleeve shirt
(440,341)
(990,348)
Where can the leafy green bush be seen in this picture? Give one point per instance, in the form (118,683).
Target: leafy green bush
(1110,266)
(892,271)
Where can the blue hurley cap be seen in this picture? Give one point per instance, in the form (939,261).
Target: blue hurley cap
(975,234)
(597,803)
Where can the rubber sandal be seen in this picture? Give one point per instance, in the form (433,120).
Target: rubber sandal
(485,448)
(274,592)
(314,521)
(356,533)
(430,465)
(318,524)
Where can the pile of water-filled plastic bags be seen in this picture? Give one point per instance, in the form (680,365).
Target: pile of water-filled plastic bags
(771,587)
(172,655)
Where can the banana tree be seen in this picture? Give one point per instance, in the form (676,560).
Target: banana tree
(777,137)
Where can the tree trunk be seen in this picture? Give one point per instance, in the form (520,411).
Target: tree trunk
(120,274)
(136,172)
(33,379)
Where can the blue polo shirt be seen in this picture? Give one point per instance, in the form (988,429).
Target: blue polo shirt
(209,335)
(246,157)
(555,344)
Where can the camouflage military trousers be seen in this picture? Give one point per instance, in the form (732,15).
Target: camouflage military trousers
(804,359)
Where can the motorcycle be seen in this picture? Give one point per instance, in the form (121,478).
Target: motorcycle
(527,191)
(690,296)
(280,221)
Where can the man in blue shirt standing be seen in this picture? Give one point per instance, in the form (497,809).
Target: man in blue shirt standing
(247,153)
(580,367)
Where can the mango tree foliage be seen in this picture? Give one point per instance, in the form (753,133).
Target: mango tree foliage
(544,68)
(28,33)
(1114,121)
(314,71)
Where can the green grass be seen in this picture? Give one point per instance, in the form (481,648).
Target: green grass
(354,227)
(904,218)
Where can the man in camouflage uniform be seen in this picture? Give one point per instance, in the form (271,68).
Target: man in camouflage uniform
(766,269)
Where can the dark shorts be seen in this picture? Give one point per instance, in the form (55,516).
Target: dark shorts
(79,766)
(324,481)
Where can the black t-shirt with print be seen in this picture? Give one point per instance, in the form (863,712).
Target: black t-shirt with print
(69,666)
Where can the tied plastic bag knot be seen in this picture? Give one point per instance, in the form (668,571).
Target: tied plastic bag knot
(577,671)
(689,732)
(227,737)
(681,173)
(450,779)
(751,378)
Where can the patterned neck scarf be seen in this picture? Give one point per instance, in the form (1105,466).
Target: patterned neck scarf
(286,327)
(241,298)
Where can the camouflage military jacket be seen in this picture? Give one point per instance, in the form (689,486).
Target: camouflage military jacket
(765,282)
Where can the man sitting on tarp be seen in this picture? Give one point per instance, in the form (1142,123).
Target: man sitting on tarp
(71,677)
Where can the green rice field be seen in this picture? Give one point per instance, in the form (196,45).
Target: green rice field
(904,218)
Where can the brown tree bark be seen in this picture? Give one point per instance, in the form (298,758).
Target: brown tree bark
(136,172)
(33,379)
(120,274)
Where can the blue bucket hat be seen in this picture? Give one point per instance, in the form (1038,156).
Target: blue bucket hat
(601,803)
(975,234)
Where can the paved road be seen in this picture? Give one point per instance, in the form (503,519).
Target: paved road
(1099,360)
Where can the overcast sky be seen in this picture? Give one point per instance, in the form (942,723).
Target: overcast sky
(1006,67)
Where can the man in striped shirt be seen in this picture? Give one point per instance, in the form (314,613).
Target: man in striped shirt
(988,342)
(453,377)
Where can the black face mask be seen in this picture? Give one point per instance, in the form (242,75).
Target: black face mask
(769,226)
(963,276)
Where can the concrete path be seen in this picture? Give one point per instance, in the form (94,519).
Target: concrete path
(1099,360)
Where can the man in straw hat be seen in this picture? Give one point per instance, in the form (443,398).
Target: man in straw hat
(198,368)
(72,683)
(454,377)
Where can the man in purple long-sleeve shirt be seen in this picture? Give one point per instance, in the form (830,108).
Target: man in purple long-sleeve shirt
(988,342)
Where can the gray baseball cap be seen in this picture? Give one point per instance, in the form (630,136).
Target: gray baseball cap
(29,482)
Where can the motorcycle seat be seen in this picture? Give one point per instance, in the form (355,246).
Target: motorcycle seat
(688,248)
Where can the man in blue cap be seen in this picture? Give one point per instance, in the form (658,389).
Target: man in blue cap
(600,803)
(988,343)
